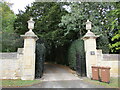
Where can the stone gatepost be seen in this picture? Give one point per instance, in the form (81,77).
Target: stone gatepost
(90,49)
(28,63)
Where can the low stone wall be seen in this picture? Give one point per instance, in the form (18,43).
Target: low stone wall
(111,57)
(10,67)
(109,60)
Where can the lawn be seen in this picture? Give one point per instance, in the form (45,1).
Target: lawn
(113,82)
(19,83)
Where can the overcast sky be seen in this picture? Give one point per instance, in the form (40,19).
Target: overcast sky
(19,4)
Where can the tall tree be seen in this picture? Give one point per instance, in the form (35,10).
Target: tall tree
(115,28)
(8,17)
(8,37)
(47,16)
(78,15)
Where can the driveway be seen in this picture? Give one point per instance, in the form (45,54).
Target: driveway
(58,76)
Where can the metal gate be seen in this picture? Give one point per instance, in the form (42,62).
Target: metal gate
(80,64)
(40,58)
(80,59)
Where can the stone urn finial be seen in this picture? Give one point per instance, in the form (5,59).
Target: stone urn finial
(30,33)
(89,33)
(31,24)
(88,25)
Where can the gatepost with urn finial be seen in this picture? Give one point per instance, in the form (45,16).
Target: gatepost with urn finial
(90,49)
(28,63)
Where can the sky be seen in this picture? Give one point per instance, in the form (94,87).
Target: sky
(19,4)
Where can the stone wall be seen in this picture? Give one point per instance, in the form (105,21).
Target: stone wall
(111,57)
(10,67)
(109,60)
(11,63)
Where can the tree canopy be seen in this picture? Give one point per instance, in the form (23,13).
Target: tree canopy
(47,16)
(57,27)
(8,37)
(97,12)
(115,28)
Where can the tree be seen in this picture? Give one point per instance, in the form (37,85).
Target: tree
(8,17)
(8,37)
(74,22)
(115,28)
(46,15)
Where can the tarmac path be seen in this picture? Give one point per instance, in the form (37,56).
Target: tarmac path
(58,76)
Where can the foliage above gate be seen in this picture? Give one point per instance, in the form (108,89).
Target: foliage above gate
(47,16)
(58,27)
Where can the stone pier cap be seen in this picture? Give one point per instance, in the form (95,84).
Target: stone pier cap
(30,34)
(89,34)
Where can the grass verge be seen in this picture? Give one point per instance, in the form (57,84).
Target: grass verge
(113,82)
(19,83)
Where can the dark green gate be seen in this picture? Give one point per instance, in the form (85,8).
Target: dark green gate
(80,64)
(80,60)
(76,57)
(40,58)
